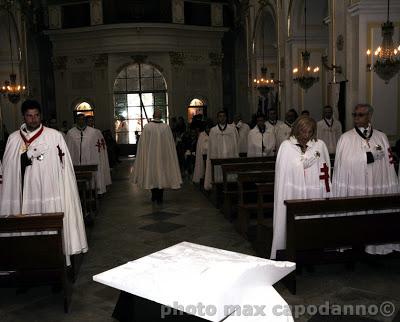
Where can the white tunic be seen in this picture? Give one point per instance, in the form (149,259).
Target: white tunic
(243,131)
(329,131)
(201,149)
(352,175)
(49,184)
(297,176)
(222,143)
(282,133)
(156,164)
(85,149)
(261,144)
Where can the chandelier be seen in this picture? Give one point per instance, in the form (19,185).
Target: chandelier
(306,76)
(11,88)
(387,63)
(263,84)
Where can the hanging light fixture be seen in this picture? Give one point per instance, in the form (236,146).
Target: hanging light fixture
(306,76)
(263,84)
(11,88)
(387,63)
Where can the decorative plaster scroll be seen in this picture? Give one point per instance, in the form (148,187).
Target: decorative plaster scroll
(55,17)
(100,60)
(79,60)
(178,14)
(96,12)
(60,62)
(177,58)
(217,15)
(216,59)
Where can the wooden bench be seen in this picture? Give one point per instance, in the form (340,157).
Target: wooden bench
(217,187)
(31,258)
(313,240)
(84,181)
(247,203)
(82,174)
(230,189)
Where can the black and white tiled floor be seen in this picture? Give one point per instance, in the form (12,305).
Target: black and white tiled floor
(129,226)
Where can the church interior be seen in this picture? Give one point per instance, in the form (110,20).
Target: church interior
(119,62)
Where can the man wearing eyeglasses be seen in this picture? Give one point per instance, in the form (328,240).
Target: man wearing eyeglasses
(364,164)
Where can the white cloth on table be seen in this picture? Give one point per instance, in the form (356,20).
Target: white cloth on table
(353,176)
(222,143)
(187,274)
(156,164)
(49,183)
(298,176)
(201,149)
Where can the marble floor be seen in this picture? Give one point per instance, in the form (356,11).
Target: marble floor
(129,226)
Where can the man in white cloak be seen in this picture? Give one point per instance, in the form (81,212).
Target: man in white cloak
(302,171)
(364,165)
(83,145)
(104,165)
(329,130)
(38,177)
(201,149)
(283,130)
(243,130)
(274,124)
(222,143)
(261,140)
(156,167)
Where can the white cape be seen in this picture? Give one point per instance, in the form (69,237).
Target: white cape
(243,131)
(221,144)
(297,176)
(49,185)
(282,133)
(85,150)
(329,134)
(354,177)
(257,140)
(104,165)
(201,149)
(156,164)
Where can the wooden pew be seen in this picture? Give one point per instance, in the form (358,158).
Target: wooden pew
(230,189)
(83,173)
(33,259)
(308,239)
(217,186)
(247,188)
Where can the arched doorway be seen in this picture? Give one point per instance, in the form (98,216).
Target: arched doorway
(196,108)
(138,90)
(84,108)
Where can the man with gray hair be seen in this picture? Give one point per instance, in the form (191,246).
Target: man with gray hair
(364,165)
(329,130)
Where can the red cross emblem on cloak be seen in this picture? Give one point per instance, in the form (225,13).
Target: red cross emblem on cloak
(98,144)
(60,153)
(325,176)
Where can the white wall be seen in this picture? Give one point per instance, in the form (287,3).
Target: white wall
(188,57)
